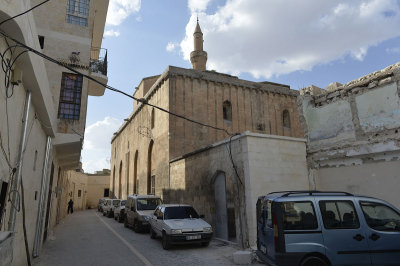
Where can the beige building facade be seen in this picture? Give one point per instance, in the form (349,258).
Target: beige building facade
(147,145)
(353,135)
(43,113)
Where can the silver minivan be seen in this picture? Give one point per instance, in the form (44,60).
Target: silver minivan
(327,228)
(138,209)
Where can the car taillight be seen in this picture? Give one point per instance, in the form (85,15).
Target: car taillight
(111,209)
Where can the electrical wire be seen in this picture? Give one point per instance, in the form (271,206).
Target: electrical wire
(143,101)
(4,21)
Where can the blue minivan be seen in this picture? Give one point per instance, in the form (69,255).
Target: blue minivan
(327,228)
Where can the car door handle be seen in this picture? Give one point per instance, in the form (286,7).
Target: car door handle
(358,237)
(374,237)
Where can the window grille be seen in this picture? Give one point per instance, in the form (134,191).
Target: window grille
(70,96)
(78,12)
(227,111)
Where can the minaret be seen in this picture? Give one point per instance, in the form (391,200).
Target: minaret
(198,57)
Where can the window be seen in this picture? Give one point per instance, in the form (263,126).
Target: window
(70,96)
(181,212)
(286,118)
(41,41)
(3,198)
(380,217)
(298,215)
(153,185)
(78,12)
(79,193)
(339,215)
(106,192)
(227,111)
(152,118)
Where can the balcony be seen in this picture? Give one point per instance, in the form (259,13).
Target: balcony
(98,71)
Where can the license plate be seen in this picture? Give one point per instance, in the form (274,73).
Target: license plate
(263,249)
(193,237)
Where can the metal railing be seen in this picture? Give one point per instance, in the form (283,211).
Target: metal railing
(98,60)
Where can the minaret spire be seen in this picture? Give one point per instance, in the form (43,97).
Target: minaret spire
(198,57)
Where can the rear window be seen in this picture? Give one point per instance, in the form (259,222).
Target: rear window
(180,212)
(339,215)
(123,203)
(116,202)
(298,215)
(380,217)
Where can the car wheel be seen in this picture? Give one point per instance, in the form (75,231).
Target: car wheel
(120,218)
(136,226)
(115,217)
(165,241)
(205,244)
(104,214)
(152,233)
(314,261)
(126,222)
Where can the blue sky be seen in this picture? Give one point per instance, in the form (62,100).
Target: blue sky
(312,42)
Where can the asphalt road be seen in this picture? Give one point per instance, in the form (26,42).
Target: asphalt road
(88,238)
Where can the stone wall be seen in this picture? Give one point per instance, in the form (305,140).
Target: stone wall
(353,135)
(265,163)
(96,185)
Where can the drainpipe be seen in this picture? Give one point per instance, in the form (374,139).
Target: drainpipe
(39,223)
(17,182)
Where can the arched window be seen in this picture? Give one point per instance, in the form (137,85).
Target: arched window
(120,181)
(152,118)
(286,118)
(150,179)
(227,111)
(135,170)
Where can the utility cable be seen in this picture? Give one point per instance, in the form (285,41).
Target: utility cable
(4,21)
(143,101)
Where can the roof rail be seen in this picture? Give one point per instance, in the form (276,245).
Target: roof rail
(310,192)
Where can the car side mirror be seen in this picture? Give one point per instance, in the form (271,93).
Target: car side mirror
(202,216)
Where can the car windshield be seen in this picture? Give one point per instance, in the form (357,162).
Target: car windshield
(116,202)
(123,203)
(180,212)
(148,204)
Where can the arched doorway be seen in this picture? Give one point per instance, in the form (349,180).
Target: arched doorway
(221,214)
(150,178)
(135,170)
(113,185)
(120,181)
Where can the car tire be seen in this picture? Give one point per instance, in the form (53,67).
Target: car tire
(314,261)
(136,227)
(104,214)
(165,241)
(205,244)
(115,217)
(126,222)
(120,218)
(153,234)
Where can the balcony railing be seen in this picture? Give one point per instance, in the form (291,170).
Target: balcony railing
(98,60)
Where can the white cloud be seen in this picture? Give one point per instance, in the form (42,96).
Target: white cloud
(119,10)
(97,144)
(393,50)
(267,38)
(172,46)
(198,5)
(111,33)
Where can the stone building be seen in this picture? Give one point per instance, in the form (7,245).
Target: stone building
(43,112)
(146,148)
(353,138)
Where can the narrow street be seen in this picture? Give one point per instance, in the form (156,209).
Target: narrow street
(88,238)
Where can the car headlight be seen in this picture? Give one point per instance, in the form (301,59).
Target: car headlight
(176,231)
(207,229)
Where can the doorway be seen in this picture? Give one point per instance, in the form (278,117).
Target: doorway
(221,214)
(46,224)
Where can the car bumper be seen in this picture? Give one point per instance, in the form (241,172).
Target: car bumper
(181,238)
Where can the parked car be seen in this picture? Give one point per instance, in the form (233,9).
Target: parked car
(327,228)
(100,205)
(109,207)
(119,212)
(138,209)
(179,224)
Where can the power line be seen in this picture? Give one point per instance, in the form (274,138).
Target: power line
(110,87)
(4,21)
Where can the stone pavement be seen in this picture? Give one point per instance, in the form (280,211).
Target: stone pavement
(88,238)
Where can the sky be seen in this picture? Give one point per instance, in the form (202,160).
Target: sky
(293,42)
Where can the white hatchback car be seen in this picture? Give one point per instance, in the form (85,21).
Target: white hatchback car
(179,224)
